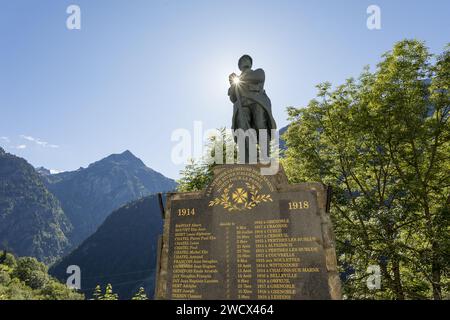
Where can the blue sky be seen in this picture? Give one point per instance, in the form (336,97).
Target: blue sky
(137,70)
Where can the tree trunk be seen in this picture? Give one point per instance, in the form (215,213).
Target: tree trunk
(436,273)
(397,280)
(435,259)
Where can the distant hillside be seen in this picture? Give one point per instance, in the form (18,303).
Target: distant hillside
(89,195)
(121,252)
(32,222)
(281,140)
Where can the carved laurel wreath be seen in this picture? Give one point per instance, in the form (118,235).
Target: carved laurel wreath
(240,199)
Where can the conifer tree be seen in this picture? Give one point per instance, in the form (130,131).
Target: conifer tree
(98,293)
(140,295)
(109,294)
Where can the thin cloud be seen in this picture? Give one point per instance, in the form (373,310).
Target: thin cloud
(39,142)
(21,146)
(6,139)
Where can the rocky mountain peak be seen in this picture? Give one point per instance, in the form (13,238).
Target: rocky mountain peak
(89,195)
(43,171)
(125,158)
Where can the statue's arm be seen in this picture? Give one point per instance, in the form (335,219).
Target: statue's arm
(255,76)
(232,93)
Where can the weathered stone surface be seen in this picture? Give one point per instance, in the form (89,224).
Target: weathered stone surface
(248,236)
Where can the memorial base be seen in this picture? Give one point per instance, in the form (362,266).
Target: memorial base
(248,236)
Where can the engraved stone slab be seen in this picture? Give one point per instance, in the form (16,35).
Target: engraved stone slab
(248,236)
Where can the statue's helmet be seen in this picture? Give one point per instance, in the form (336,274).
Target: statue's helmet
(243,60)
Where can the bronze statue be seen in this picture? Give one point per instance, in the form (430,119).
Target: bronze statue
(252,108)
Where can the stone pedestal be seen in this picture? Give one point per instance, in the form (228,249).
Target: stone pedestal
(248,236)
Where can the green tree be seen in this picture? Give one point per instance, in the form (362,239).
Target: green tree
(32,272)
(3,257)
(109,294)
(26,279)
(382,142)
(194,177)
(97,295)
(140,295)
(198,174)
(414,113)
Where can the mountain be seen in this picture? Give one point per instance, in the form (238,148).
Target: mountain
(89,195)
(32,222)
(283,146)
(43,171)
(121,252)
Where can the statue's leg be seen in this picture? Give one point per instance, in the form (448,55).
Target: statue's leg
(259,119)
(243,121)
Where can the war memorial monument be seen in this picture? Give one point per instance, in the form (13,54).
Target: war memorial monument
(248,235)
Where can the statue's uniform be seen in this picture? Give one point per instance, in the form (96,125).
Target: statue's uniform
(252,108)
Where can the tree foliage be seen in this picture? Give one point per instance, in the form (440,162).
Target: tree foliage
(382,142)
(27,279)
(107,295)
(140,295)
(198,174)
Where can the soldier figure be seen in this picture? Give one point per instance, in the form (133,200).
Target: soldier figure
(252,108)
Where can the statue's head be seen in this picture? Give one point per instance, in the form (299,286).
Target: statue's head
(245,62)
